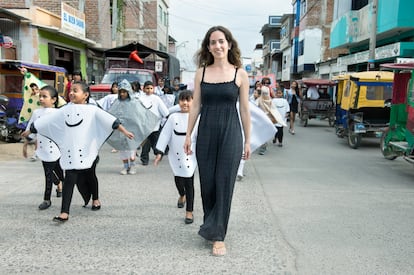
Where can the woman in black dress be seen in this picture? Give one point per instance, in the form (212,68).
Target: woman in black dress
(219,83)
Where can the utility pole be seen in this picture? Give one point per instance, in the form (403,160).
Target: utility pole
(373,37)
(114,22)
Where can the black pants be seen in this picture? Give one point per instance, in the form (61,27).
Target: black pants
(185,186)
(86,177)
(53,175)
(279,134)
(150,142)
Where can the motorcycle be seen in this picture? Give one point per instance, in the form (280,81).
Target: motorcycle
(10,129)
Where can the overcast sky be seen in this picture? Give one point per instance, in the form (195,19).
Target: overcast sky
(190,20)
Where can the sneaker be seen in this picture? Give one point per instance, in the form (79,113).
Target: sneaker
(280,145)
(292,132)
(123,171)
(132,171)
(33,158)
(239,177)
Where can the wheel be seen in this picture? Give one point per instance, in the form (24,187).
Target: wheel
(387,151)
(331,122)
(354,140)
(305,122)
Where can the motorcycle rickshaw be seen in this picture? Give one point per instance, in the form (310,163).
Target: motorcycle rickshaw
(398,138)
(362,105)
(323,107)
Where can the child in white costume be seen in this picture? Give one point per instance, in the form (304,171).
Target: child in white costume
(46,149)
(183,166)
(79,129)
(282,105)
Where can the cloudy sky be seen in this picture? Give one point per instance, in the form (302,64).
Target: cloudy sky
(190,20)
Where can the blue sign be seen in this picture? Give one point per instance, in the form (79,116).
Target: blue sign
(248,68)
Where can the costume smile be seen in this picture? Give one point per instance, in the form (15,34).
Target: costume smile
(73,125)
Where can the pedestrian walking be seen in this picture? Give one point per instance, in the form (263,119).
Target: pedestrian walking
(47,150)
(219,82)
(183,167)
(79,129)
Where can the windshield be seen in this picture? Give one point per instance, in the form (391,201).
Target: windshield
(131,76)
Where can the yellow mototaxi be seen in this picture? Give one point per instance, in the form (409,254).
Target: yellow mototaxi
(363,101)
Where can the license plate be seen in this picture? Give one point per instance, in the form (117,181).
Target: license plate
(359,128)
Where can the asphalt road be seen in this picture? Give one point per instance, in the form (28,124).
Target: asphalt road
(314,206)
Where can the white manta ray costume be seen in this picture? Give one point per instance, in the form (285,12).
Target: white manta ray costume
(79,130)
(133,116)
(173,134)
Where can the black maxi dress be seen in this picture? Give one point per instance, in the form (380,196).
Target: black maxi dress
(219,150)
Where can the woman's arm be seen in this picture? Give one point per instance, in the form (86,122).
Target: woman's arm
(244,110)
(194,111)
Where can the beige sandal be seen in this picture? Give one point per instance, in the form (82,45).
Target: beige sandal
(219,249)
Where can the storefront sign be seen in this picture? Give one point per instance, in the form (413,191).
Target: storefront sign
(73,21)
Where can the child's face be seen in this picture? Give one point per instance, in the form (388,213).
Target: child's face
(185,105)
(149,89)
(256,94)
(35,90)
(123,94)
(46,100)
(77,95)
(279,94)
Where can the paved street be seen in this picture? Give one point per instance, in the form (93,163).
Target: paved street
(314,206)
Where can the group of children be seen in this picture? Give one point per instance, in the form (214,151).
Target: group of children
(69,139)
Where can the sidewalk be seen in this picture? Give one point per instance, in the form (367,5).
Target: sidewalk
(139,229)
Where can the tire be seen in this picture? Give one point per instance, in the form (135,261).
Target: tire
(354,140)
(305,122)
(331,122)
(386,151)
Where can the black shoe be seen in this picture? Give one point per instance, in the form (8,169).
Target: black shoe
(60,220)
(96,207)
(58,193)
(45,205)
(189,220)
(180,204)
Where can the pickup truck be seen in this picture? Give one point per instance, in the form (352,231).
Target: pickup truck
(118,66)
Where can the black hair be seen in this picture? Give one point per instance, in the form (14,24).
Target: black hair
(148,83)
(33,85)
(84,87)
(185,95)
(52,92)
(136,86)
(264,79)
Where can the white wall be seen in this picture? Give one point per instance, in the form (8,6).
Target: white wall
(312,46)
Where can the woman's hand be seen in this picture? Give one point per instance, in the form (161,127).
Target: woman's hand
(187,146)
(246,154)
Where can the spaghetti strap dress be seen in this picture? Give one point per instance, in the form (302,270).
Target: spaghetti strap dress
(219,150)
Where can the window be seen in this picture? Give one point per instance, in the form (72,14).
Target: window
(284,32)
(347,89)
(303,8)
(359,4)
(160,14)
(301,47)
(274,45)
(379,92)
(274,20)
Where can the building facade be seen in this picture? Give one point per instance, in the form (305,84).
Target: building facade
(352,26)
(73,34)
